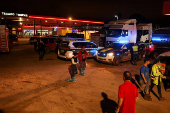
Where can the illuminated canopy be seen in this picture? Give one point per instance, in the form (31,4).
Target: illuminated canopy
(65,19)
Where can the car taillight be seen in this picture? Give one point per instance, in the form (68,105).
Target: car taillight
(151,47)
(15,37)
(68,48)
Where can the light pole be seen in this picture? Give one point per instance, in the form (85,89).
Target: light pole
(70,20)
(116,16)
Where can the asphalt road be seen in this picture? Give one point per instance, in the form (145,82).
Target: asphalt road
(31,86)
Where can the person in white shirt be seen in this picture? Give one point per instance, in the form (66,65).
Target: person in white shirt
(74,62)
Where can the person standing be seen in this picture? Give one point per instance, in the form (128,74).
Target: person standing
(156,78)
(135,54)
(82,56)
(127,94)
(144,79)
(41,50)
(74,62)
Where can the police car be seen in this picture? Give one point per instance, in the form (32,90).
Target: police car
(116,53)
(66,48)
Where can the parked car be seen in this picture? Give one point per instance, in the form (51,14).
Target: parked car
(117,52)
(66,48)
(50,43)
(13,39)
(165,62)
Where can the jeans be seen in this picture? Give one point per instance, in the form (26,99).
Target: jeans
(41,55)
(135,57)
(144,87)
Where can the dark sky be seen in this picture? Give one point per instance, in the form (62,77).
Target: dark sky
(87,9)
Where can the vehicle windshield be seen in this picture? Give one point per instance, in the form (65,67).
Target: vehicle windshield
(115,45)
(114,33)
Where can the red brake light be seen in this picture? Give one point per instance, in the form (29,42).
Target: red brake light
(69,48)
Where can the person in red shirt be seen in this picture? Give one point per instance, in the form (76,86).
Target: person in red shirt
(82,56)
(127,94)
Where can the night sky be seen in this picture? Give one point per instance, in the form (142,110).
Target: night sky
(89,9)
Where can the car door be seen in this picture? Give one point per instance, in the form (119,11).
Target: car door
(51,44)
(126,52)
(63,47)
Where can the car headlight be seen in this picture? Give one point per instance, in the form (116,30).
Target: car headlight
(110,54)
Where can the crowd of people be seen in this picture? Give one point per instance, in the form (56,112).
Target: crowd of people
(128,92)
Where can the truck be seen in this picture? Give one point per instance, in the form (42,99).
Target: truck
(160,42)
(120,37)
(4,40)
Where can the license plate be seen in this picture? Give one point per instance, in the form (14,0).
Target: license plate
(62,51)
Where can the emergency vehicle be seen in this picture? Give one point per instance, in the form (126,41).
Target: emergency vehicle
(4,39)
(120,37)
(160,42)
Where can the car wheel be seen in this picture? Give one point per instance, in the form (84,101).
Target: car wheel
(47,50)
(116,61)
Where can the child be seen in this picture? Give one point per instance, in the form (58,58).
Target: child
(74,62)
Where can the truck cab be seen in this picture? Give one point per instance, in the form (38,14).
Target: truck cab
(115,53)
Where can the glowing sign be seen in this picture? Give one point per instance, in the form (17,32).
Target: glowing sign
(14,14)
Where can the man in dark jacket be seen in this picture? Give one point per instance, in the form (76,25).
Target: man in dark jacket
(41,50)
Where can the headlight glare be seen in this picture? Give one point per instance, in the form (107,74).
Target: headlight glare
(110,54)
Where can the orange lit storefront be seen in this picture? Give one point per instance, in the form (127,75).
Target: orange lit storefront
(30,25)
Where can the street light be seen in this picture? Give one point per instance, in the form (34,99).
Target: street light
(70,20)
(117,17)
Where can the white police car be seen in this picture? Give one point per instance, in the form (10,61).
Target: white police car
(116,52)
(66,48)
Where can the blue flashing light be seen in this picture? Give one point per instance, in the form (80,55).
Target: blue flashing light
(104,54)
(123,41)
(117,54)
(159,39)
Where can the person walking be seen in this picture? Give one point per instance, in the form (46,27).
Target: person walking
(156,78)
(41,50)
(135,56)
(82,56)
(127,94)
(74,62)
(144,79)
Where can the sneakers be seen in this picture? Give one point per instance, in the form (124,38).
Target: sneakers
(70,80)
(168,90)
(147,97)
(162,99)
